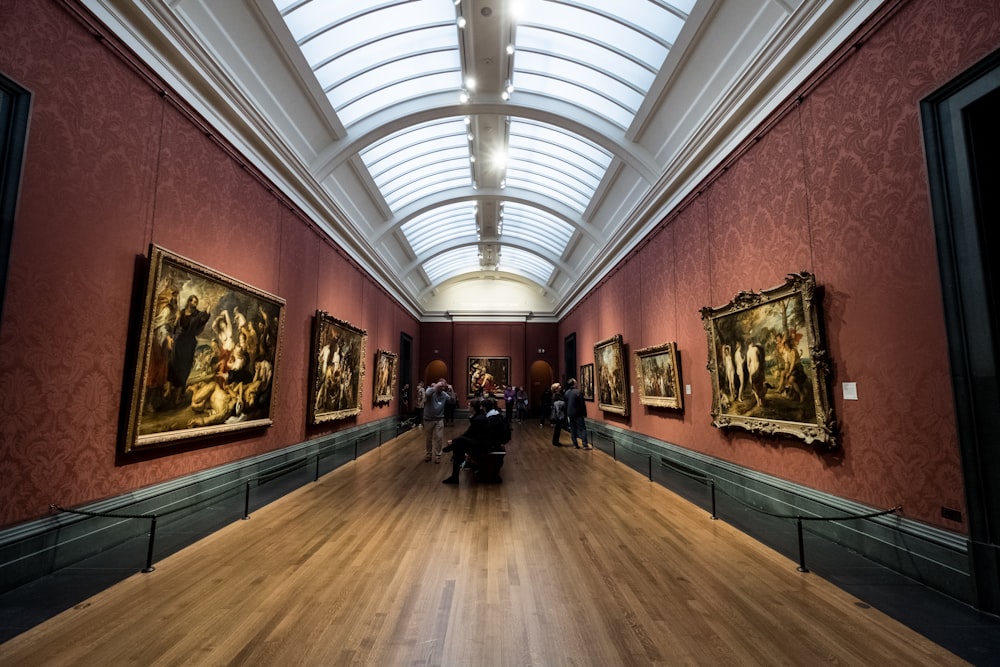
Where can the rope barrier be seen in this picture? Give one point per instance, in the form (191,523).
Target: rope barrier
(712,484)
(227,488)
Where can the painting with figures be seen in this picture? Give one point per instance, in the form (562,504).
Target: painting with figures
(768,365)
(207,354)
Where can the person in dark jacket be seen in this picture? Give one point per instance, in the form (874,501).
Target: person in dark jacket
(557,414)
(576,413)
(467,445)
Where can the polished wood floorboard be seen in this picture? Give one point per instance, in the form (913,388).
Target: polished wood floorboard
(574,560)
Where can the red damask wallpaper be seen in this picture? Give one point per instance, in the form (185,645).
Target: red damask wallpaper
(837,187)
(111,167)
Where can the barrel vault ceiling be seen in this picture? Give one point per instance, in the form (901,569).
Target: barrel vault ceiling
(484,159)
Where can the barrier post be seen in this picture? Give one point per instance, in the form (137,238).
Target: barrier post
(149,551)
(316,477)
(650,467)
(246,503)
(802,552)
(711,490)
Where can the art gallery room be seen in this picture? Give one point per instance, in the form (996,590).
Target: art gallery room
(749,240)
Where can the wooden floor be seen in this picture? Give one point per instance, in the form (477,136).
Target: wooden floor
(574,560)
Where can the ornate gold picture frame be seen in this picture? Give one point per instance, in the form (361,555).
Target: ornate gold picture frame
(768,364)
(385,376)
(658,376)
(207,355)
(337,369)
(610,377)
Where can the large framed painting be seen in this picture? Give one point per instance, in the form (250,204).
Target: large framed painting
(386,364)
(488,375)
(610,376)
(207,354)
(768,363)
(337,369)
(658,376)
(587,381)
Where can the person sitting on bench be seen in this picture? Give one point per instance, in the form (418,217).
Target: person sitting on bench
(469,442)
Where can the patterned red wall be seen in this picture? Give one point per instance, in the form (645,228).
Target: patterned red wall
(837,187)
(111,166)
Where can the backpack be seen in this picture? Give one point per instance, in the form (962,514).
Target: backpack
(558,410)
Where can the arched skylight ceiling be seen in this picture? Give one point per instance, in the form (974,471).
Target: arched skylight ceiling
(370,54)
(536,227)
(376,56)
(554,163)
(440,226)
(525,263)
(420,160)
(597,54)
(452,263)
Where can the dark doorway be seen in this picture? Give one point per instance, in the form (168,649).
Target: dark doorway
(569,354)
(962,141)
(406,368)
(14,105)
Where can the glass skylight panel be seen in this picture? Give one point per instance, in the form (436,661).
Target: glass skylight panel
(404,169)
(554,162)
(452,263)
(443,182)
(537,227)
(436,228)
(576,94)
(599,55)
(371,55)
(432,155)
(416,140)
(526,264)
(630,89)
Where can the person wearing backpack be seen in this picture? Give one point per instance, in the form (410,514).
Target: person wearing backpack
(557,414)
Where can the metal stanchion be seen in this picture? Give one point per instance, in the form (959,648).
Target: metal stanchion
(711,489)
(246,503)
(650,468)
(802,552)
(316,478)
(149,552)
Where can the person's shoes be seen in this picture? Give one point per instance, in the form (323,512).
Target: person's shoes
(450,480)
(447,448)
(427,457)
(437,459)
(577,447)
(556,444)
(588,446)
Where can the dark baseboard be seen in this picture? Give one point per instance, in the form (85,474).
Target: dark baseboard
(38,548)
(931,556)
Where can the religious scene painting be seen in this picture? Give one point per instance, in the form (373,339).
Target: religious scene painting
(488,376)
(768,365)
(207,354)
(385,376)
(658,376)
(337,369)
(587,381)
(610,376)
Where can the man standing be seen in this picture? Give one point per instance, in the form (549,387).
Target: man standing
(576,412)
(435,398)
